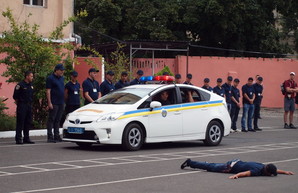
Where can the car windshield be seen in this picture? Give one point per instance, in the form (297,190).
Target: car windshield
(124,96)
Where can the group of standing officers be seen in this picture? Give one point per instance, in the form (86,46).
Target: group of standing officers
(59,94)
(252,95)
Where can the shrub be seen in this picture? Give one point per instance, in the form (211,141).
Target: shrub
(8,123)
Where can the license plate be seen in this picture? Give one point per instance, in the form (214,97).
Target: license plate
(77,130)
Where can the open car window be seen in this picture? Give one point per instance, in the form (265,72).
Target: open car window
(193,95)
(171,99)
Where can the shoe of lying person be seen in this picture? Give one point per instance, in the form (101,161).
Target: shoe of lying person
(185,164)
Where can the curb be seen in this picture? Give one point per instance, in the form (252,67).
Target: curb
(11,134)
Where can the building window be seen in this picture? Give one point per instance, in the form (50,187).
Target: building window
(35,2)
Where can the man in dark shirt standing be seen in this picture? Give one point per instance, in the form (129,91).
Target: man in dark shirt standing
(188,79)
(178,79)
(140,73)
(228,91)
(72,94)
(90,86)
(23,96)
(219,89)
(55,97)
(235,98)
(237,167)
(248,97)
(123,81)
(257,102)
(107,85)
(206,85)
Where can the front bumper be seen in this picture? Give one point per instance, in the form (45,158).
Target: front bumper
(87,136)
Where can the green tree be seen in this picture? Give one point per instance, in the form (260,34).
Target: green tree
(288,19)
(118,62)
(230,24)
(27,50)
(165,69)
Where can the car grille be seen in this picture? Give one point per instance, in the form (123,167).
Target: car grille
(83,122)
(87,135)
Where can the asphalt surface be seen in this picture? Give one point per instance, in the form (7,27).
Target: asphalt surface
(64,167)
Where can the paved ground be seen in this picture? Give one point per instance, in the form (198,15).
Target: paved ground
(63,167)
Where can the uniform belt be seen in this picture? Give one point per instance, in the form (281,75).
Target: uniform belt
(27,103)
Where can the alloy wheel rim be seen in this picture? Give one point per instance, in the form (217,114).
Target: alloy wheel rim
(134,137)
(214,133)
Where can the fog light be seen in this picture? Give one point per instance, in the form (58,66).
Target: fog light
(108,132)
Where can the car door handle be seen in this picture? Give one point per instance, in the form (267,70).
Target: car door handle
(177,112)
(145,115)
(204,109)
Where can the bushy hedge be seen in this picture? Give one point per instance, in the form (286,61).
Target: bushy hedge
(8,123)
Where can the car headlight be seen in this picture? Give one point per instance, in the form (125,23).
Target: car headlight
(109,117)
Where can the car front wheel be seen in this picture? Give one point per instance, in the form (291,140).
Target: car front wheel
(133,137)
(213,133)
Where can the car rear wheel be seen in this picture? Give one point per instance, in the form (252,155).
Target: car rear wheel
(133,137)
(213,133)
(84,145)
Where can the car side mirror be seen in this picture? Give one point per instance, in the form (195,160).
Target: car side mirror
(154,104)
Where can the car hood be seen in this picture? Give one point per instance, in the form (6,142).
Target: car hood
(93,111)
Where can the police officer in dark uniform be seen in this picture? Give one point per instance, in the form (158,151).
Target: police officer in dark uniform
(107,85)
(188,79)
(123,81)
(71,96)
(257,102)
(72,93)
(206,85)
(235,98)
(178,79)
(219,89)
(140,73)
(248,93)
(228,92)
(90,86)
(23,96)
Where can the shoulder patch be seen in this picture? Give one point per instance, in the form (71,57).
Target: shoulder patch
(18,87)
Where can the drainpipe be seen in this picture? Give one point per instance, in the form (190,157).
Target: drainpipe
(78,39)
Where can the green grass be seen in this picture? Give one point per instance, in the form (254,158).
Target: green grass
(8,123)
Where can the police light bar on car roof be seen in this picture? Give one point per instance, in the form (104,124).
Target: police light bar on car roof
(157,78)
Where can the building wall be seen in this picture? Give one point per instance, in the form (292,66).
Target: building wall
(6,91)
(274,72)
(145,64)
(48,18)
(82,67)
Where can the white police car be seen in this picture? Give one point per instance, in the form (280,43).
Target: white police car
(134,115)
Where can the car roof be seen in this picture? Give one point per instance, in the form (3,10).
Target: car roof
(152,86)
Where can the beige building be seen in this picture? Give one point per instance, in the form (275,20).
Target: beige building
(48,14)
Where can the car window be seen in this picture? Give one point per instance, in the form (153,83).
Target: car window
(193,95)
(165,97)
(124,96)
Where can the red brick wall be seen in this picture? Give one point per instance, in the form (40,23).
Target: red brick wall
(82,67)
(274,72)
